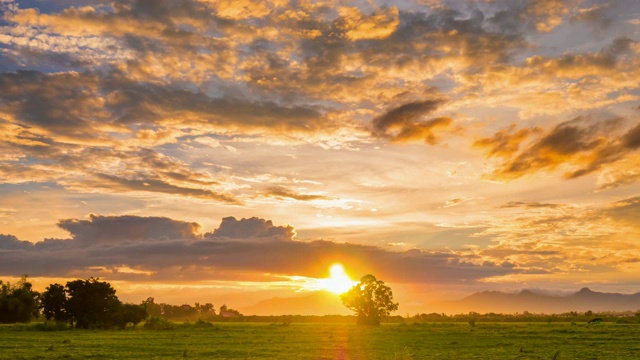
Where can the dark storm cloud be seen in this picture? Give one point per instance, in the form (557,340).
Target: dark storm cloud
(406,122)
(171,250)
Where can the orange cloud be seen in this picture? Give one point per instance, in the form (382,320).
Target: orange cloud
(378,25)
(582,146)
(405,123)
(505,142)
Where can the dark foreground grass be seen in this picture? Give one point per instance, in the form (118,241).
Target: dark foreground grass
(330,341)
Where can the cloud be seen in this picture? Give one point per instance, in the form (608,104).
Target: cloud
(405,123)
(548,14)
(251,228)
(115,229)
(626,211)
(161,249)
(581,146)
(87,106)
(563,239)
(621,173)
(64,104)
(581,80)
(533,205)
(154,185)
(456,201)
(285,192)
(10,242)
(505,142)
(597,14)
(378,25)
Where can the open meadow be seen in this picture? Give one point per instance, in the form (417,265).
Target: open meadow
(329,341)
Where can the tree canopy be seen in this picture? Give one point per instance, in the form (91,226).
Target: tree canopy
(371,299)
(89,304)
(18,303)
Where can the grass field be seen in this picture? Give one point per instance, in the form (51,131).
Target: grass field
(330,341)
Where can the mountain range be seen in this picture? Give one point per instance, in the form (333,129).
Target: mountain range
(315,303)
(526,300)
(324,303)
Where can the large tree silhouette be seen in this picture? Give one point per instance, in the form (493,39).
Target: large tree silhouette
(89,304)
(18,303)
(371,299)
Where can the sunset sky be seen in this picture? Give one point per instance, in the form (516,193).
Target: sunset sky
(233,150)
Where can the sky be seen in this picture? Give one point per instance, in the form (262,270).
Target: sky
(234,150)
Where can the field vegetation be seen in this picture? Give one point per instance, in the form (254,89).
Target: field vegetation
(409,340)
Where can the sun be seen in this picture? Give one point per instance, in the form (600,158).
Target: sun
(338,281)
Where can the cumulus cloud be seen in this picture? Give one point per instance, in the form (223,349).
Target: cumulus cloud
(251,228)
(114,229)
(165,249)
(10,242)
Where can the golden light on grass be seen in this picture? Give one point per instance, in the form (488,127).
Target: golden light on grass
(338,281)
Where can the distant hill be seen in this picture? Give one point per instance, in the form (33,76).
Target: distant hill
(526,300)
(315,303)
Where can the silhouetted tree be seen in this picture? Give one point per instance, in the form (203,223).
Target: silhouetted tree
(129,314)
(91,303)
(371,299)
(153,309)
(54,302)
(226,312)
(18,303)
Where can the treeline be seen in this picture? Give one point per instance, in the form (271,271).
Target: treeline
(93,304)
(203,312)
(626,317)
(82,304)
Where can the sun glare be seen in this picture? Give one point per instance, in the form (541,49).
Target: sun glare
(338,281)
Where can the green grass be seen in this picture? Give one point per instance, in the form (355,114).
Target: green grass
(330,341)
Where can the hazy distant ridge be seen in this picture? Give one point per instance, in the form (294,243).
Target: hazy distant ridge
(526,300)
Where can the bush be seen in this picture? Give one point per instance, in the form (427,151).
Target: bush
(51,326)
(203,324)
(157,323)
